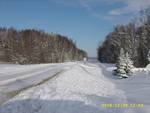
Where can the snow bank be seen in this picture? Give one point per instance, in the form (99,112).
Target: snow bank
(83,89)
(79,90)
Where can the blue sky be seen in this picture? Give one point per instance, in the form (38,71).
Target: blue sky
(85,21)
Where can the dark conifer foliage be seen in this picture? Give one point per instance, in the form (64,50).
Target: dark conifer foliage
(33,46)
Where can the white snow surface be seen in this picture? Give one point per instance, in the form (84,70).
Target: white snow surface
(14,78)
(82,89)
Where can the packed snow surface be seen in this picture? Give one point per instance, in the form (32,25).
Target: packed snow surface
(14,78)
(83,88)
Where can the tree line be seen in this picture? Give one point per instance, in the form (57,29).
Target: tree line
(32,46)
(133,38)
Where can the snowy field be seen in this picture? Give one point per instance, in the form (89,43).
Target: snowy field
(76,88)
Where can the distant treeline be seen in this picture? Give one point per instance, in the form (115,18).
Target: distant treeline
(134,38)
(33,46)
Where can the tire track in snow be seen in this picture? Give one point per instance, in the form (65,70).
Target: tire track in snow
(5,96)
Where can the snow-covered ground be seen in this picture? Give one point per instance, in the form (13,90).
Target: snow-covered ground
(14,78)
(81,88)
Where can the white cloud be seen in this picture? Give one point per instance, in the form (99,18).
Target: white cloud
(85,4)
(131,6)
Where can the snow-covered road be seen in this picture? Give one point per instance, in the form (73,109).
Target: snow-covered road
(83,88)
(14,78)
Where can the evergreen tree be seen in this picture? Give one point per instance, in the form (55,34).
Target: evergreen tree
(121,65)
(129,64)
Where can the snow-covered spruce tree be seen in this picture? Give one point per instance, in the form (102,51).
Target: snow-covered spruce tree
(121,65)
(148,57)
(129,64)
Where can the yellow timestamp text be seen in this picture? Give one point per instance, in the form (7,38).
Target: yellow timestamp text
(122,105)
